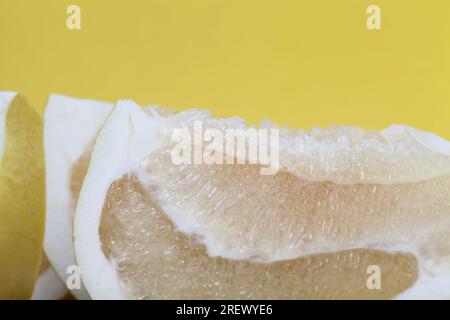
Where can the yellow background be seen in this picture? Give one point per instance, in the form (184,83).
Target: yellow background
(299,63)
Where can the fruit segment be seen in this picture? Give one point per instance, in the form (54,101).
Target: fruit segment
(22,196)
(237,213)
(154,260)
(341,206)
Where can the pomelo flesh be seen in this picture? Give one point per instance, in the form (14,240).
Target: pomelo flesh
(310,231)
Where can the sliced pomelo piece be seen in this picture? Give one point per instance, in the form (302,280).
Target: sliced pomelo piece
(22,196)
(70,128)
(49,286)
(342,202)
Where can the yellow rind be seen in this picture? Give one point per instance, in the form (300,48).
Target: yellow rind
(22,201)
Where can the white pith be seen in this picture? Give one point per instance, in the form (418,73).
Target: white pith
(49,286)
(71,125)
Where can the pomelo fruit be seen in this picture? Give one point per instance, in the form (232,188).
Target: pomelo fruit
(22,196)
(345,201)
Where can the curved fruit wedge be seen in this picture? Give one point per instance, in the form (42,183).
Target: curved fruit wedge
(346,207)
(22,196)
